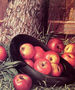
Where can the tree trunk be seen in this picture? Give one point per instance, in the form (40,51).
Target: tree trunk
(24,17)
(3,6)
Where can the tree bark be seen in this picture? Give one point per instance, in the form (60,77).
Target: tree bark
(3,6)
(24,17)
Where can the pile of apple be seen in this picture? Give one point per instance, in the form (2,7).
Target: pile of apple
(68,50)
(48,62)
(20,81)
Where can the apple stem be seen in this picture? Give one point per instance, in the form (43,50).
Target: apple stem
(21,77)
(50,59)
(43,64)
(69,56)
(58,68)
(23,48)
(58,47)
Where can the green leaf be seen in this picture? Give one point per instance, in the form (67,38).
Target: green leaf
(6,65)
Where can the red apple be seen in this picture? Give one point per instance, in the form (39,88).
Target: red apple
(70,58)
(43,66)
(56,44)
(27,50)
(3,53)
(70,48)
(56,70)
(22,82)
(52,56)
(29,62)
(61,66)
(39,53)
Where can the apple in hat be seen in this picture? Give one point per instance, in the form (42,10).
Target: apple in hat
(52,56)
(70,48)
(43,66)
(39,53)
(29,62)
(70,58)
(56,70)
(56,44)
(27,50)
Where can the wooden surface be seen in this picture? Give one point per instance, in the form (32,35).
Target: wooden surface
(62,20)
(65,27)
(69,3)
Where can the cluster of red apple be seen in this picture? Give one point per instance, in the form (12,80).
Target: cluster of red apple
(20,81)
(69,54)
(68,50)
(46,62)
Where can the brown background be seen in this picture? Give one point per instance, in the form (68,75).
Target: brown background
(62,16)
